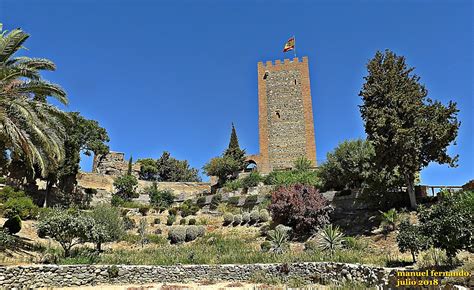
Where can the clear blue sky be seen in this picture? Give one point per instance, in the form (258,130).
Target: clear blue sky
(173,75)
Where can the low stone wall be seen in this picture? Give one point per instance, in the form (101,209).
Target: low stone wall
(76,275)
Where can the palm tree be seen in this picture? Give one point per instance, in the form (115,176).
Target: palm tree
(30,128)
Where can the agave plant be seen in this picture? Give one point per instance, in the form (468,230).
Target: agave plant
(279,239)
(30,128)
(330,239)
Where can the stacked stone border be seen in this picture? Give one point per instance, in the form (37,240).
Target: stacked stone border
(34,276)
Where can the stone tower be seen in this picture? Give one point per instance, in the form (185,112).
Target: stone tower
(286,127)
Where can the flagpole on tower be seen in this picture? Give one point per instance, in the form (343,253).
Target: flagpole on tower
(294,49)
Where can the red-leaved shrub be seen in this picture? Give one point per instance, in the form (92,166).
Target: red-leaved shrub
(301,207)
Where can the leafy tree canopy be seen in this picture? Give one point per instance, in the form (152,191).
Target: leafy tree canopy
(167,168)
(407,129)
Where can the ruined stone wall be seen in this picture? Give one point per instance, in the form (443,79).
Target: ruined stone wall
(286,127)
(113,164)
(36,276)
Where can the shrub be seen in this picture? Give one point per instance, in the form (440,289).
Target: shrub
(67,227)
(301,207)
(216,199)
(251,200)
(157,221)
(21,206)
(228,218)
(182,221)
(126,186)
(160,198)
(254,216)
(192,221)
(265,246)
(287,178)
(245,217)
(233,185)
(171,219)
(311,245)
(192,233)
(279,239)
(128,223)
(188,208)
(233,200)
(177,234)
(263,216)
(6,240)
(410,239)
(201,201)
(330,239)
(173,211)
(201,231)
(449,224)
(142,230)
(108,225)
(9,192)
(389,220)
(303,164)
(253,179)
(13,225)
(237,219)
(113,271)
(144,210)
(116,200)
(354,243)
(432,258)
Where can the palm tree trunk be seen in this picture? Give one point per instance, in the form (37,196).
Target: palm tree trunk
(411,191)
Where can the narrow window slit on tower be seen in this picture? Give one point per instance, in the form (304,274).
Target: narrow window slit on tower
(295,82)
(277,113)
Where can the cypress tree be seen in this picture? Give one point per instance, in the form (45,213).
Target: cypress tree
(234,150)
(129,171)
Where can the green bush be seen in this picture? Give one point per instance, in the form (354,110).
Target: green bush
(192,233)
(311,245)
(303,164)
(201,201)
(9,192)
(228,218)
(157,239)
(128,223)
(188,208)
(245,217)
(173,211)
(233,185)
(237,219)
(265,246)
(21,206)
(182,221)
(117,200)
(233,200)
(253,179)
(177,234)
(171,219)
(126,186)
(410,239)
(286,178)
(449,224)
(144,210)
(216,199)
(6,240)
(263,216)
(113,271)
(108,225)
(192,221)
(160,198)
(13,225)
(251,200)
(157,221)
(254,216)
(201,231)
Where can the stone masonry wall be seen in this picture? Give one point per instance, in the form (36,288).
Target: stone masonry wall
(35,276)
(286,126)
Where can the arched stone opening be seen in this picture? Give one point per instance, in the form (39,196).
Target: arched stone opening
(251,166)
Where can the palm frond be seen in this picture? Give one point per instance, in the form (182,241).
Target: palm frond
(11,43)
(40,87)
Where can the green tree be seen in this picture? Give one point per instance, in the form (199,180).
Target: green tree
(234,151)
(160,198)
(148,169)
(130,165)
(222,167)
(126,186)
(30,128)
(108,225)
(171,169)
(67,227)
(407,129)
(410,239)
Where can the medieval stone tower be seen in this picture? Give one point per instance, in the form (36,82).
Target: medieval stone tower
(286,127)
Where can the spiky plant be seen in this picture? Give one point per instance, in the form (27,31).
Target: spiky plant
(330,239)
(389,219)
(30,128)
(303,164)
(279,239)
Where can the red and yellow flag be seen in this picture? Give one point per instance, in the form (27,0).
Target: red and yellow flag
(289,45)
